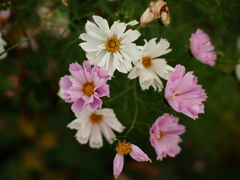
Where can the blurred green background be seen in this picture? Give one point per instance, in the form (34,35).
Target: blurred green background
(35,142)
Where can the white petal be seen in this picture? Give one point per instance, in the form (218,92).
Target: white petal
(117,29)
(135,72)
(84,133)
(102,23)
(96,137)
(132,23)
(92,43)
(94,31)
(161,48)
(130,52)
(74,124)
(131,35)
(107,132)
(114,123)
(161,68)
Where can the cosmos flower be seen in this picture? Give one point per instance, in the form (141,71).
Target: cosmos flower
(156,9)
(202,48)
(164,136)
(183,94)
(85,87)
(149,67)
(110,48)
(2,49)
(91,124)
(122,149)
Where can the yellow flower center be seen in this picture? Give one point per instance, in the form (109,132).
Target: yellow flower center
(96,118)
(88,89)
(147,61)
(112,44)
(123,148)
(175,95)
(160,133)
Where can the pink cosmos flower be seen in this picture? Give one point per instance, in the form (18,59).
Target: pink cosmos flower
(86,86)
(164,136)
(183,94)
(201,48)
(122,149)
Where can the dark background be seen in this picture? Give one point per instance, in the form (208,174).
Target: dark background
(34,140)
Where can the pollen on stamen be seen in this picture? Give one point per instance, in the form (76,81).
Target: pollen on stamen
(160,133)
(96,118)
(123,148)
(88,89)
(112,44)
(175,95)
(147,61)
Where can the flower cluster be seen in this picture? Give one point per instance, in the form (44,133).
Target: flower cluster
(111,48)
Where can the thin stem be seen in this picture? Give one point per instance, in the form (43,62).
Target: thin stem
(120,94)
(136,111)
(32,35)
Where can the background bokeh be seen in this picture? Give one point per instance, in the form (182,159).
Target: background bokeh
(35,143)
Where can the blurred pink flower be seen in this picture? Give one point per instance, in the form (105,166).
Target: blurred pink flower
(183,94)
(164,136)
(122,149)
(86,86)
(5,14)
(201,48)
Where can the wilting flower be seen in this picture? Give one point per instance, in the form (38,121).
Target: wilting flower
(2,49)
(164,136)
(86,86)
(110,48)
(122,149)
(183,94)
(202,48)
(91,124)
(156,9)
(149,68)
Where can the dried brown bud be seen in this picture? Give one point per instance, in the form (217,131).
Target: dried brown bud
(65,2)
(156,9)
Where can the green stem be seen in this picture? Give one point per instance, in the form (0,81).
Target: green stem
(136,111)
(120,94)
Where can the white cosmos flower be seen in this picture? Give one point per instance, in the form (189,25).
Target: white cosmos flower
(91,124)
(149,67)
(2,49)
(110,48)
